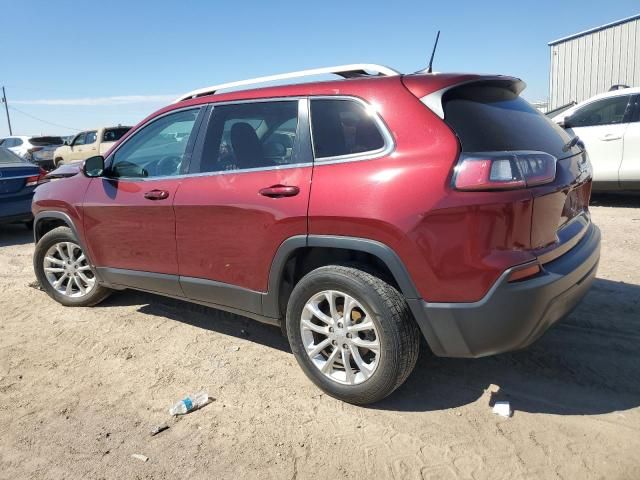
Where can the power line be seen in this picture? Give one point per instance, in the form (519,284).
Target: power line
(43,121)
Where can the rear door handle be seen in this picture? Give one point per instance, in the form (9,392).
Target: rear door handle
(610,136)
(156,195)
(279,191)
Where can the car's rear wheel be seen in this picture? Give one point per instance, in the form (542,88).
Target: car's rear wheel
(352,333)
(64,272)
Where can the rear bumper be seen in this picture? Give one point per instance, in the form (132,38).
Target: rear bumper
(512,315)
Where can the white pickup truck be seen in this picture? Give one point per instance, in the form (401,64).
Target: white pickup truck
(89,143)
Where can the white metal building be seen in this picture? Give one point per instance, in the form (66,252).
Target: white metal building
(591,62)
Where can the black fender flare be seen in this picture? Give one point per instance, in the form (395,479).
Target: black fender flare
(386,254)
(49,214)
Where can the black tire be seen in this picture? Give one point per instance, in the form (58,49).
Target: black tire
(63,234)
(397,331)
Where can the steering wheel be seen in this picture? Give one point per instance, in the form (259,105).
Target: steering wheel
(168,165)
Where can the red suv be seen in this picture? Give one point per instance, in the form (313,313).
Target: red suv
(358,214)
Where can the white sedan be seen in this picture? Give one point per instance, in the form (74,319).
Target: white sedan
(609,126)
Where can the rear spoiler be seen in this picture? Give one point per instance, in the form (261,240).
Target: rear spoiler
(433,100)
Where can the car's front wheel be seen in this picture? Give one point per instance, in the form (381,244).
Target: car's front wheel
(63,271)
(352,333)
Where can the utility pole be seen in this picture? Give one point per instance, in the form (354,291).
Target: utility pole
(6,109)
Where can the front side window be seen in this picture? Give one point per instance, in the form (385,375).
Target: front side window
(250,135)
(90,138)
(157,149)
(79,140)
(607,111)
(343,127)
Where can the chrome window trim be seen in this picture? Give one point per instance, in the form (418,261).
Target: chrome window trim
(210,174)
(387,149)
(389,142)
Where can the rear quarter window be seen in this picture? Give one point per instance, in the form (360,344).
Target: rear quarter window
(343,127)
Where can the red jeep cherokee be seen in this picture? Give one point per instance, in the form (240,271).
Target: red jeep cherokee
(358,214)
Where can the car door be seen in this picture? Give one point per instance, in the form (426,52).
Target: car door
(630,168)
(90,147)
(247,192)
(601,126)
(76,147)
(128,214)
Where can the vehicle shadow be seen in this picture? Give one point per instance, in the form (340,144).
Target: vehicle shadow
(588,364)
(15,234)
(618,200)
(203,317)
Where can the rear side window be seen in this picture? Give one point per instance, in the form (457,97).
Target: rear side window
(114,134)
(250,135)
(90,138)
(607,111)
(489,118)
(343,127)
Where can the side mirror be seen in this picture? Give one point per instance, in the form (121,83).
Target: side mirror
(66,142)
(565,122)
(94,166)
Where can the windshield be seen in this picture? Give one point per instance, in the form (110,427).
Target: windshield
(7,156)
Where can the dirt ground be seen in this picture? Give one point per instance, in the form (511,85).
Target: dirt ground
(80,390)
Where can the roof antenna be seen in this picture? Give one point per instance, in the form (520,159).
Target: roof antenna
(433,52)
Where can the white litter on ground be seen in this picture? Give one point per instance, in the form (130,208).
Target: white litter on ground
(503,409)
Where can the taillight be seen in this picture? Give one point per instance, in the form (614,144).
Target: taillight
(503,170)
(36,179)
(35,149)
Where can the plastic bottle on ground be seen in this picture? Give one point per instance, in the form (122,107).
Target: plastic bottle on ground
(189,404)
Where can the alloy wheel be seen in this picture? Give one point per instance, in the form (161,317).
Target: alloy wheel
(68,271)
(340,337)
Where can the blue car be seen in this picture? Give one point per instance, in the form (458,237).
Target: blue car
(18,180)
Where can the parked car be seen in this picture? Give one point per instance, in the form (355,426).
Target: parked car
(18,180)
(609,126)
(38,150)
(441,205)
(89,143)
(42,151)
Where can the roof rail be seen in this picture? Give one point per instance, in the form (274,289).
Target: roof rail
(345,71)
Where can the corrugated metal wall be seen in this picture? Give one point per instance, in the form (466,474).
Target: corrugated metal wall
(589,64)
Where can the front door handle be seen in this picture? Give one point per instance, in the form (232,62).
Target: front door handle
(279,191)
(610,136)
(156,195)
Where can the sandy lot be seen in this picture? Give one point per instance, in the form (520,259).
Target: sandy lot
(80,390)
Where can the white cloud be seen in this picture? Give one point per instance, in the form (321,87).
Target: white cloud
(99,101)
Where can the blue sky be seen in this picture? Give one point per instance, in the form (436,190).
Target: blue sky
(63,61)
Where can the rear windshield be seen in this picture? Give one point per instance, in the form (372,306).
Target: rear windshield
(7,156)
(46,141)
(114,134)
(488,118)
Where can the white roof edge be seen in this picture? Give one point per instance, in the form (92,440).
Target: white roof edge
(595,29)
(341,70)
